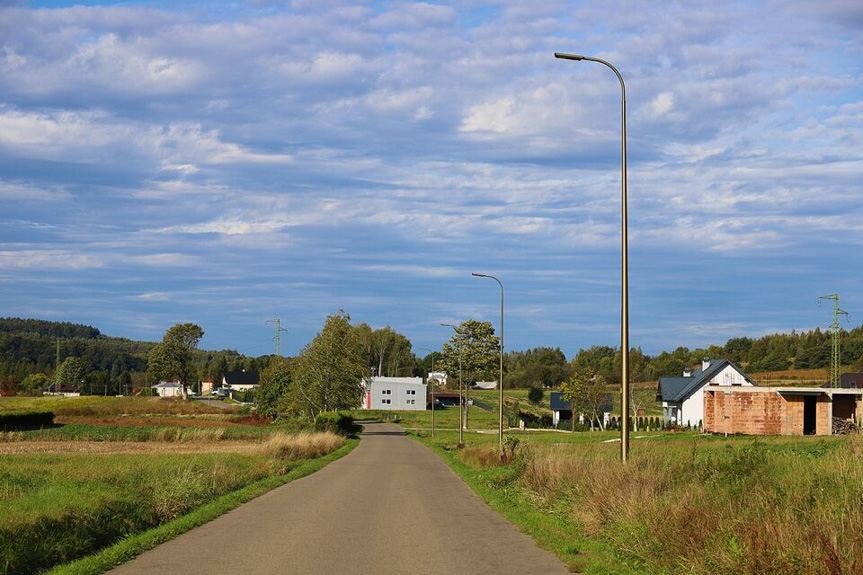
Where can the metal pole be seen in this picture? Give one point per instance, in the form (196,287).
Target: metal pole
(624,297)
(500,379)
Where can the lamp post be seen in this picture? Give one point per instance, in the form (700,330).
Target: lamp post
(430,385)
(624,298)
(460,396)
(500,379)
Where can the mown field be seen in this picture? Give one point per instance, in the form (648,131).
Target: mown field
(684,503)
(113,469)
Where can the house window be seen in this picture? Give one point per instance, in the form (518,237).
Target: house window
(385,401)
(412,392)
(412,401)
(386,392)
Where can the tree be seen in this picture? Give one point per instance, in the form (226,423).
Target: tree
(71,371)
(535,395)
(173,357)
(329,369)
(34,384)
(475,349)
(272,394)
(585,393)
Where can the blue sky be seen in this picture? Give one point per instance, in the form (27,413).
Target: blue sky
(229,163)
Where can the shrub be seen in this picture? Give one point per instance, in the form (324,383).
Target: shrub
(336,422)
(19,420)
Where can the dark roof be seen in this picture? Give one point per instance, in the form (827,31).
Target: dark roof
(558,404)
(851,380)
(242,378)
(676,388)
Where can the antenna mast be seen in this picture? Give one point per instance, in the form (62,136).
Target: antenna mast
(835,355)
(278,337)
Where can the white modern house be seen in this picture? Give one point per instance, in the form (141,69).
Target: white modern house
(683,397)
(395,393)
(169,389)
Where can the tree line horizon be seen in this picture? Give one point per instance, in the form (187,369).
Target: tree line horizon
(28,347)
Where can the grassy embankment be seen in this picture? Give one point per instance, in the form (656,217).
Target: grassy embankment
(127,466)
(684,502)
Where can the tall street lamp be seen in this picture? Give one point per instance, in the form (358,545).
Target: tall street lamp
(430,385)
(500,379)
(460,396)
(624,298)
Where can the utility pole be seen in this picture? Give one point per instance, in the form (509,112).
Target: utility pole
(57,369)
(278,337)
(835,354)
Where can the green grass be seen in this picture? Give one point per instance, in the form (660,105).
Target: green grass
(92,432)
(684,502)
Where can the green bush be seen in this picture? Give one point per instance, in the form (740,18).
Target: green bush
(336,422)
(19,420)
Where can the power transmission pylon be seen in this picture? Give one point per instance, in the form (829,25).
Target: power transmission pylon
(835,354)
(278,337)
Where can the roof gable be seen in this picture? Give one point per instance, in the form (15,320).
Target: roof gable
(677,388)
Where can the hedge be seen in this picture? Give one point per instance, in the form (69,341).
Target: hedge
(18,420)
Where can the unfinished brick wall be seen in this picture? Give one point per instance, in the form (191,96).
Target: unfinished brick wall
(792,415)
(747,413)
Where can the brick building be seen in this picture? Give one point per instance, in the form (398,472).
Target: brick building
(779,410)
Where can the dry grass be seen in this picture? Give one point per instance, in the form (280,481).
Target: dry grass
(748,507)
(302,445)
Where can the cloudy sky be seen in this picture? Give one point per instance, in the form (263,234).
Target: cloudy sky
(227,163)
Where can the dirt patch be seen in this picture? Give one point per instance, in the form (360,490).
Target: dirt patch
(124,447)
(138,421)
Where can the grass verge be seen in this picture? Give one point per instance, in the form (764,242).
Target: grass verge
(552,528)
(134,545)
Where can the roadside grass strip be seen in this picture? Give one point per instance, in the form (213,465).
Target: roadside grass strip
(133,545)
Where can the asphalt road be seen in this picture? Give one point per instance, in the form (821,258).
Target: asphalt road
(389,507)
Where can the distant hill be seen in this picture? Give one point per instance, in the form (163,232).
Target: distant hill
(30,346)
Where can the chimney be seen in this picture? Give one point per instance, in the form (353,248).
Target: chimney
(687,372)
(705,363)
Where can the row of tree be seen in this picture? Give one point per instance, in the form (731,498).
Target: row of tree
(114,365)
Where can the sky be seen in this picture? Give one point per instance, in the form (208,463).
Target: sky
(229,163)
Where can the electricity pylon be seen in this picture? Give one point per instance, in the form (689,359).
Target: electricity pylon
(278,337)
(835,354)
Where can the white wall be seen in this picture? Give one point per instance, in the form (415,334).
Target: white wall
(398,393)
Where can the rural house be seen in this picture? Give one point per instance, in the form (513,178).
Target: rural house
(683,397)
(241,380)
(169,389)
(561,410)
(397,393)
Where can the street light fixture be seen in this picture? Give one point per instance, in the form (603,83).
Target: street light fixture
(432,387)
(500,379)
(624,298)
(460,394)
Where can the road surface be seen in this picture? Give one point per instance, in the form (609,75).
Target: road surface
(391,506)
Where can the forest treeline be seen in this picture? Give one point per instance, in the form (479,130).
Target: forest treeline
(29,346)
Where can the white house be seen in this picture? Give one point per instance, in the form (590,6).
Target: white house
(169,389)
(241,380)
(683,397)
(439,376)
(396,393)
